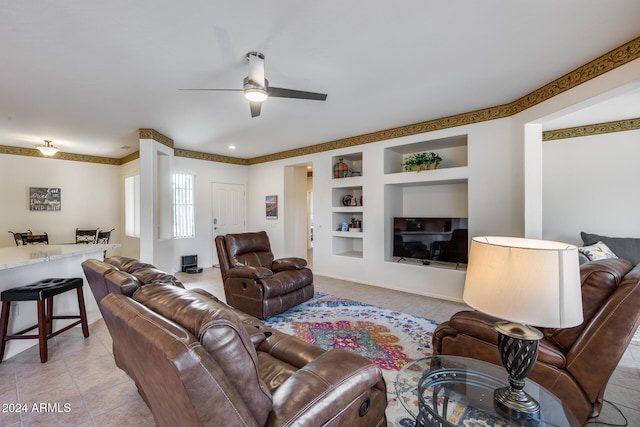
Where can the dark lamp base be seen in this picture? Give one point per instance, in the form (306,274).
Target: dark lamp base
(518,346)
(516,404)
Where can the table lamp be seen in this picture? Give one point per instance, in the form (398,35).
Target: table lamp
(525,282)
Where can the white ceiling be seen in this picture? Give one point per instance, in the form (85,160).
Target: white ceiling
(89,74)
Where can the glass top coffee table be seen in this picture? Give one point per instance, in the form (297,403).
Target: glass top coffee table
(458,391)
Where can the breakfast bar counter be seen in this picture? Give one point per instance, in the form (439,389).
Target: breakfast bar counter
(23,265)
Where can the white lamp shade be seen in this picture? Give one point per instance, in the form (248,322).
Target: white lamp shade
(535,282)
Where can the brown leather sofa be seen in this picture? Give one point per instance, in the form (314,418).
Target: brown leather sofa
(198,362)
(573,363)
(254,281)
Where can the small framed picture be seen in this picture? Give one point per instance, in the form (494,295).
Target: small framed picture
(44,199)
(271,207)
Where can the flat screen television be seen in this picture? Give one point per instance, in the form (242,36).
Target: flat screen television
(431,239)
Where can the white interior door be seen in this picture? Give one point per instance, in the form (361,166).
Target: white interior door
(228,211)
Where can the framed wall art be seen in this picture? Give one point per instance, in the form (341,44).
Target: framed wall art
(271,207)
(44,199)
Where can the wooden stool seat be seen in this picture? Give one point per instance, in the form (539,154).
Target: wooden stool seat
(42,291)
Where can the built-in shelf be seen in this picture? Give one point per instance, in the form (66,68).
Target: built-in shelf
(346,205)
(348,209)
(413,263)
(349,218)
(353,163)
(352,254)
(347,244)
(437,193)
(453,151)
(352,192)
(349,234)
(436,176)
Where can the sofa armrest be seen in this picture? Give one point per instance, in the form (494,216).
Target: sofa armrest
(290,349)
(324,388)
(249,272)
(476,324)
(291,263)
(469,323)
(479,326)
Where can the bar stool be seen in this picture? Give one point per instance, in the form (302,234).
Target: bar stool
(42,291)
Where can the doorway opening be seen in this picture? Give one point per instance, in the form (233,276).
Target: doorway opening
(298,227)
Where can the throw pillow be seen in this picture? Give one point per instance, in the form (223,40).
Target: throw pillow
(597,251)
(623,247)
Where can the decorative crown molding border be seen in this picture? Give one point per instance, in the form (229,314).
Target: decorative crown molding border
(131,157)
(156,136)
(209,157)
(416,128)
(617,57)
(32,152)
(589,130)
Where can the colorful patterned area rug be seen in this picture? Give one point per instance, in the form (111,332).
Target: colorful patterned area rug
(388,338)
(636,338)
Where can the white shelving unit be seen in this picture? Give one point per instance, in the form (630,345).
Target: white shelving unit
(453,151)
(441,192)
(346,206)
(354,163)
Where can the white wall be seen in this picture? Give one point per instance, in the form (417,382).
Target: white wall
(130,245)
(497,164)
(206,173)
(267,179)
(495,193)
(591,184)
(599,89)
(90,192)
(493,201)
(156,204)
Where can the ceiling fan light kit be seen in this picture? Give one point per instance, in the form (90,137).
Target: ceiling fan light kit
(256,87)
(255,92)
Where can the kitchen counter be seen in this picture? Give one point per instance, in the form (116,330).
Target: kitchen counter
(23,265)
(18,256)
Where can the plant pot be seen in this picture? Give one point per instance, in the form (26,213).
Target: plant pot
(423,167)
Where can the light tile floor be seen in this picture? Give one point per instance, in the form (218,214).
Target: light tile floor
(81,386)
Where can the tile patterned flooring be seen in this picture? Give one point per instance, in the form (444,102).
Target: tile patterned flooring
(81,386)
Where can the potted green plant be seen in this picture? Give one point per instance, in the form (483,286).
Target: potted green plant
(422,161)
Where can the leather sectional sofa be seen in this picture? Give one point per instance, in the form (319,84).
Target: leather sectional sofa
(573,363)
(197,361)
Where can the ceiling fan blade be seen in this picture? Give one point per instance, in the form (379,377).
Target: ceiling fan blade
(218,90)
(255,108)
(278,92)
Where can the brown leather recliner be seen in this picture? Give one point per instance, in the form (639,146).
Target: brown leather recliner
(254,281)
(198,362)
(575,363)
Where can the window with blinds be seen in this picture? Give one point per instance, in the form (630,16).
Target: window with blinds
(183,201)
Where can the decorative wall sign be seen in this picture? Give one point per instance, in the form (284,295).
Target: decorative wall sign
(271,207)
(44,199)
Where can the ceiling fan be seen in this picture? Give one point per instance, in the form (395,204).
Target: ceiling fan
(257,90)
